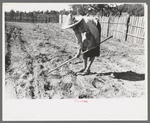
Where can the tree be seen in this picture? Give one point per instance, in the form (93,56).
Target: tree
(134,9)
(101,8)
(46,12)
(12,14)
(107,10)
(31,16)
(64,12)
(93,9)
(53,12)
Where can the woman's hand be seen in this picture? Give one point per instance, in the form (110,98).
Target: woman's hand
(77,55)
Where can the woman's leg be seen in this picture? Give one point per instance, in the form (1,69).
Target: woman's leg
(91,59)
(84,61)
(84,64)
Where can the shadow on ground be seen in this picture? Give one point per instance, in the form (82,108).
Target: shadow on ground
(129,75)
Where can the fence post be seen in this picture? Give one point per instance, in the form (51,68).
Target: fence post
(60,18)
(127,24)
(108,26)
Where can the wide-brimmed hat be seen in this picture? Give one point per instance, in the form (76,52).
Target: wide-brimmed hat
(70,22)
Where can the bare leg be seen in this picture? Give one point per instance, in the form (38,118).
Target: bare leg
(90,63)
(84,64)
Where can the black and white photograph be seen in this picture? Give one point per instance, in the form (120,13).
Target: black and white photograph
(81,53)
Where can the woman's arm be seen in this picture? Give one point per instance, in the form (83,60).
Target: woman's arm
(79,43)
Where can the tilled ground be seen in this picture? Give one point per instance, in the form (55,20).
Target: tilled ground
(32,50)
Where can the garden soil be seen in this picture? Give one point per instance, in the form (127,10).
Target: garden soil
(33,49)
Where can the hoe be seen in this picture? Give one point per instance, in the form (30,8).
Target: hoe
(75,57)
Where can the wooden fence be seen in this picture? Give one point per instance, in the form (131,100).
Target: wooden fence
(136,30)
(125,28)
(40,18)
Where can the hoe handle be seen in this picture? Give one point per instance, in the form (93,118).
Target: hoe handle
(62,64)
(76,57)
(100,43)
(106,39)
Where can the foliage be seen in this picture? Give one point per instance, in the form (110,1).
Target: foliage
(64,12)
(107,10)
(134,9)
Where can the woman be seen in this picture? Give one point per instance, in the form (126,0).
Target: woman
(87,31)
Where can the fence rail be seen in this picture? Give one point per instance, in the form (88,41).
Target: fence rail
(136,26)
